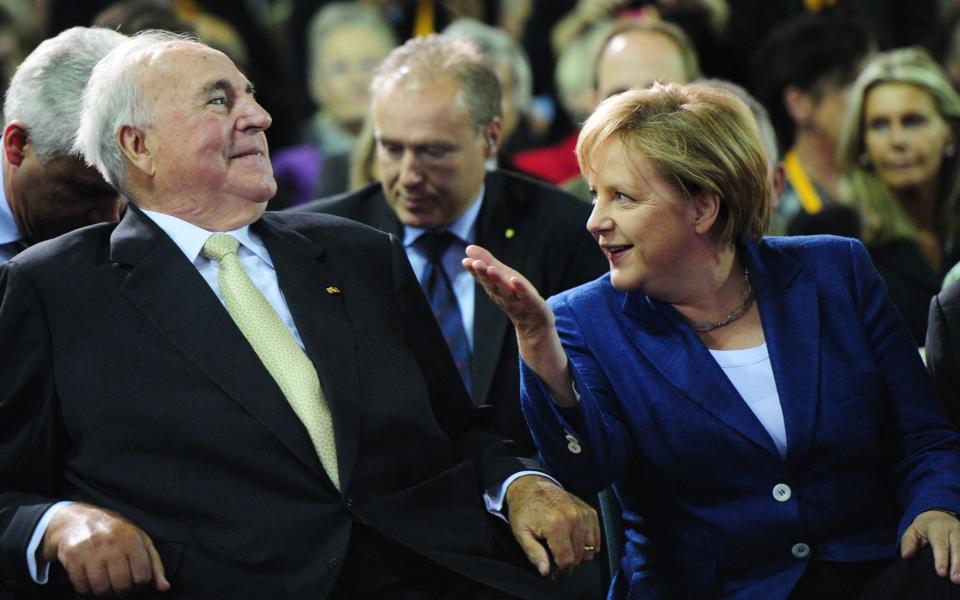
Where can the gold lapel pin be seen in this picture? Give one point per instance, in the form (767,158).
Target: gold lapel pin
(333,291)
(509,233)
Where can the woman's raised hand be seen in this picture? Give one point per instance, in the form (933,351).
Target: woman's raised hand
(532,319)
(510,291)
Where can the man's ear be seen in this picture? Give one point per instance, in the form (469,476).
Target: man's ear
(134,145)
(799,105)
(15,142)
(706,208)
(492,134)
(778,183)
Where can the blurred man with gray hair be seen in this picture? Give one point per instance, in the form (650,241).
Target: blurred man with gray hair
(46,189)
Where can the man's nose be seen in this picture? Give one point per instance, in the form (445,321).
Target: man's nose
(410,169)
(254,117)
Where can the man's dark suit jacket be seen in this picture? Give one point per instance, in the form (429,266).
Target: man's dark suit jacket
(125,384)
(537,229)
(943,348)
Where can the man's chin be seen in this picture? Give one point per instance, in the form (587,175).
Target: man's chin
(420,221)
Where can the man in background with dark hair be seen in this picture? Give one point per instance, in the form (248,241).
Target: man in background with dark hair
(802,73)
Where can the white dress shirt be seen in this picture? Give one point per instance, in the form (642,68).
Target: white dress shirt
(465,229)
(10,234)
(750,373)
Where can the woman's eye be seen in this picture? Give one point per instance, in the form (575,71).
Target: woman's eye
(914,120)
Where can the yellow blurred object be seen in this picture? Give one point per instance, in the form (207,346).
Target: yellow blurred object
(816,6)
(423,24)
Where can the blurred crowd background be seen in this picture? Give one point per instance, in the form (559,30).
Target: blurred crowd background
(845,158)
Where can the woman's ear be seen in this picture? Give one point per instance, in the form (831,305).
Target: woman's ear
(706,209)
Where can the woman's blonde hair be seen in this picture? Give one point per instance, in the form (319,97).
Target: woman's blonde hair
(883,217)
(701,139)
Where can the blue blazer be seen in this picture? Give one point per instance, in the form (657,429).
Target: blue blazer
(710,506)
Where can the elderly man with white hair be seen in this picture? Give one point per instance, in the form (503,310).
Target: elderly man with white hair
(217,402)
(46,189)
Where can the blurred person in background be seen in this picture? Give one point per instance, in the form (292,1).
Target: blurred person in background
(130,16)
(897,156)
(943,348)
(635,54)
(347,40)
(802,73)
(510,63)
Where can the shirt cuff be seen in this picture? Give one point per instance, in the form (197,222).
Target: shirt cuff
(39,572)
(494,496)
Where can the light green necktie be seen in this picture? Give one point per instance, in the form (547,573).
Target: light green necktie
(274,344)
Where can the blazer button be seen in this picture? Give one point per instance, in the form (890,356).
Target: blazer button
(782,492)
(332,563)
(349,503)
(800,550)
(573,444)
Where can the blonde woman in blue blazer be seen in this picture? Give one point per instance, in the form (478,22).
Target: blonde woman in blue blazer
(757,403)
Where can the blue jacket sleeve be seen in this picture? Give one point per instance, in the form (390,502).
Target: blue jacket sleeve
(586,446)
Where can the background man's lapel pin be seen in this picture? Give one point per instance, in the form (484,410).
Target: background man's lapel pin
(333,290)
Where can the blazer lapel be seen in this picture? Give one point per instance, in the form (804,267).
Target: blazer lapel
(173,296)
(314,294)
(499,232)
(678,354)
(790,312)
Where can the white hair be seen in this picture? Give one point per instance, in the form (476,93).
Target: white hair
(114,98)
(45,92)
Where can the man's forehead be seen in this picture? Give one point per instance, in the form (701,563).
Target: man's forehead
(198,69)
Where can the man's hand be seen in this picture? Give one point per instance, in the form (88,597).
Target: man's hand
(103,553)
(547,521)
(942,532)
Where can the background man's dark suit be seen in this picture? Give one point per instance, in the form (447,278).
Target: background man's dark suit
(528,226)
(130,388)
(943,348)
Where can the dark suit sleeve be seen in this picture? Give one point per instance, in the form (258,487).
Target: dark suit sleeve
(469,427)
(30,440)
(942,359)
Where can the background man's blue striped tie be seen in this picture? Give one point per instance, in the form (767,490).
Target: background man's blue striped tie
(446,309)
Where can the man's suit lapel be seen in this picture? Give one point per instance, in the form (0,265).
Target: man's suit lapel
(316,300)
(173,296)
(500,232)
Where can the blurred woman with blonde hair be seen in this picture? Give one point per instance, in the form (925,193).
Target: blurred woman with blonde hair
(897,156)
